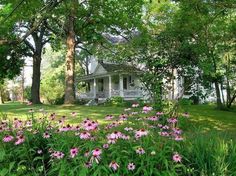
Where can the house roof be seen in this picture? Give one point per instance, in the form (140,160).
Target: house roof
(119,67)
(110,69)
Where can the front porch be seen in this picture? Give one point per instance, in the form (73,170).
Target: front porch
(106,86)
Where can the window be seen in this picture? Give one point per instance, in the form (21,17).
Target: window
(88,89)
(100,85)
(130,79)
(125,86)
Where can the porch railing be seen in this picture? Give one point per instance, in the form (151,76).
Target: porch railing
(105,94)
(86,95)
(132,93)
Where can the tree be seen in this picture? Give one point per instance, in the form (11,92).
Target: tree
(85,23)
(27,26)
(209,37)
(38,40)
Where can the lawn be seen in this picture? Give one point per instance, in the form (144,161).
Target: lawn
(205,117)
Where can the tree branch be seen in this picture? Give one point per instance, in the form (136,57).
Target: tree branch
(85,49)
(29,45)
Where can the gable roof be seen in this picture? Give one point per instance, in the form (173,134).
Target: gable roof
(108,68)
(119,67)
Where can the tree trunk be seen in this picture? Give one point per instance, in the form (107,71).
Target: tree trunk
(35,89)
(1,97)
(70,60)
(229,104)
(173,84)
(222,93)
(218,99)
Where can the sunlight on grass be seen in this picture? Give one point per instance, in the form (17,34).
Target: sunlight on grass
(204,116)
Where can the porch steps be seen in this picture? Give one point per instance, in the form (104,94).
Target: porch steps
(91,103)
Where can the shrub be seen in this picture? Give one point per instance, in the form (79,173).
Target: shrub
(115,101)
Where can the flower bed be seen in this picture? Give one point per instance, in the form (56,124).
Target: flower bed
(138,142)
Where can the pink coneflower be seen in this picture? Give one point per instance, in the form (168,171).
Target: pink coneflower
(65,128)
(89,125)
(20,140)
(147,109)
(186,114)
(140,133)
(28,123)
(95,158)
(73,114)
(52,116)
(109,117)
(31,111)
(164,133)
(140,151)
(115,135)
(46,135)
(172,120)
(17,123)
(88,164)
(85,135)
(111,141)
(112,125)
(125,137)
(96,152)
(105,146)
(177,158)
(8,138)
(57,154)
(153,118)
(128,128)
(86,154)
(114,165)
(165,127)
(123,117)
(61,122)
(177,131)
(178,138)
(159,113)
(135,105)
(134,113)
(131,166)
(127,109)
(73,152)
(77,128)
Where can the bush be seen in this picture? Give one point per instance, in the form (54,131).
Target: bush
(185,102)
(115,101)
(27,93)
(81,101)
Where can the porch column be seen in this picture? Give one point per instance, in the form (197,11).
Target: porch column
(121,85)
(109,86)
(94,88)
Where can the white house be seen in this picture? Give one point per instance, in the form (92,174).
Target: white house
(109,79)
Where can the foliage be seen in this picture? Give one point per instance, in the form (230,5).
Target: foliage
(10,62)
(115,101)
(4,94)
(185,102)
(27,93)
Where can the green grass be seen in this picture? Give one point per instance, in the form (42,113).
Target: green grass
(208,119)
(12,110)
(205,117)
